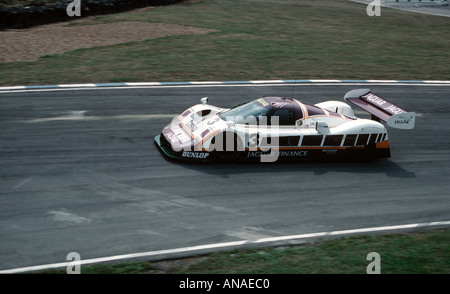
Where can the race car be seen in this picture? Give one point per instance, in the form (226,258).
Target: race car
(270,129)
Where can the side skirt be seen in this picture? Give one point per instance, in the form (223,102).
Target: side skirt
(318,154)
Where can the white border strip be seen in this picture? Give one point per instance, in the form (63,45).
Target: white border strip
(210,83)
(192,249)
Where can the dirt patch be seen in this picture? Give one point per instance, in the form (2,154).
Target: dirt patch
(30,44)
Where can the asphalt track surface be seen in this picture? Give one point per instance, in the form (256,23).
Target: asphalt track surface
(79,172)
(432,7)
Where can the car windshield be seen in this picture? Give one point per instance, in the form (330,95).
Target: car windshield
(245,113)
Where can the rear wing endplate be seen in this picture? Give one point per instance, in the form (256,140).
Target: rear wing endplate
(380,108)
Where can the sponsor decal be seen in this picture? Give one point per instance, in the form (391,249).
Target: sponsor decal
(375,99)
(263,102)
(170,136)
(330,152)
(310,123)
(403,121)
(296,153)
(213,121)
(278,104)
(299,153)
(191,126)
(254,154)
(385,105)
(199,155)
(394,109)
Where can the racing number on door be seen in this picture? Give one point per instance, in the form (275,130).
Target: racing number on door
(253,140)
(213,121)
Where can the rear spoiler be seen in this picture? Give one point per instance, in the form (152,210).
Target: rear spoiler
(380,108)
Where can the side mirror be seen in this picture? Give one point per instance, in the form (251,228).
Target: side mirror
(322,127)
(231,123)
(204,100)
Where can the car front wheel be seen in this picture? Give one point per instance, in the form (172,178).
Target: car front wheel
(227,147)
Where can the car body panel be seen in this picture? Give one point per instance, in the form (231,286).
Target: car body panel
(287,130)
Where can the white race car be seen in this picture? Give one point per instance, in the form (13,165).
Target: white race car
(276,128)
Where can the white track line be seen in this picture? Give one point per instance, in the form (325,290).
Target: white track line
(193,249)
(221,85)
(140,85)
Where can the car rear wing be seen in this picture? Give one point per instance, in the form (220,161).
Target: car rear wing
(380,108)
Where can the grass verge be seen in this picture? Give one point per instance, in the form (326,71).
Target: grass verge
(425,252)
(287,39)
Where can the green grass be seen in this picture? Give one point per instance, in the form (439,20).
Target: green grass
(321,39)
(426,252)
(120,268)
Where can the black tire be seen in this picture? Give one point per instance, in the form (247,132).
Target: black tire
(224,155)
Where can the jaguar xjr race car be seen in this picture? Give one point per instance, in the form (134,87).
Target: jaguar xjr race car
(269,129)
